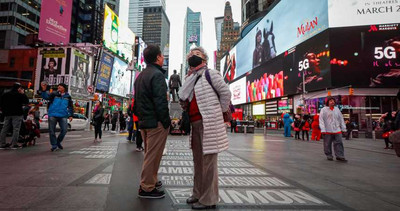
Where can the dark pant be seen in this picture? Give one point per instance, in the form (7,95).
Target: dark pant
(97,130)
(108,126)
(233,128)
(62,121)
(174,91)
(306,132)
(336,139)
(297,135)
(387,142)
(113,126)
(348,134)
(131,131)
(15,122)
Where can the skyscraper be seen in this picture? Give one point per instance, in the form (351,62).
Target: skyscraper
(218,30)
(136,9)
(192,31)
(230,33)
(156,27)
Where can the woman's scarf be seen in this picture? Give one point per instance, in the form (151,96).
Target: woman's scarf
(186,92)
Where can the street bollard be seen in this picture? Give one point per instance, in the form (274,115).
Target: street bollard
(245,129)
(373,135)
(265,130)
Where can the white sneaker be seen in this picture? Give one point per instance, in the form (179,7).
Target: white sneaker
(95,140)
(100,140)
(165,151)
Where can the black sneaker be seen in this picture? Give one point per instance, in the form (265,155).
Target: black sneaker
(60,146)
(16,147)
(53,149)
(158,184)
(5,146)
(341,159)
(154,194)
(330,158)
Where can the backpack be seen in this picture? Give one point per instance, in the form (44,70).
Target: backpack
(227,114)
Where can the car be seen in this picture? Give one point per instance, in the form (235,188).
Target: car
(79,122)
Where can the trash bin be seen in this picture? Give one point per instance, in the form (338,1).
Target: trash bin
(354,134)
(395,139)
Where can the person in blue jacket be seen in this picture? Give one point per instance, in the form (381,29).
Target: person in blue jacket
(60,108)
(287,121)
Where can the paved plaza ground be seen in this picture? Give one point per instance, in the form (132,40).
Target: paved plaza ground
(258,172)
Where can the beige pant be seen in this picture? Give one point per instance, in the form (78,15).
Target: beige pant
(205,186)
(154,143)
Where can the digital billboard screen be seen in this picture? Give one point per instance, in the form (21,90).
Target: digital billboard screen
(81,75)
(238,90)
(140,63)
(117,37)
(285,26)
(265,81)
(55,21)
(120,78)
(343,13)
(371,53)
(229,66)
(104,74)
(311,58)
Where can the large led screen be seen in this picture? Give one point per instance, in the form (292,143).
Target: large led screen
(266,81)
(311,58)
(259,109)
(117,37)
(344,13)
(81,75)
(140,63)
(229,66)
(120,78)
(238,90)
(366,56)
(286,25)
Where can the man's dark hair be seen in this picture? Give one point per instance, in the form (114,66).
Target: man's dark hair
(329,99)
(174,71)
(150,53)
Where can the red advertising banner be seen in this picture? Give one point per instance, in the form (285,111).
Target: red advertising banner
(55,21)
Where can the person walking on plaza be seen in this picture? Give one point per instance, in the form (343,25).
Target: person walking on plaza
(174,84)
(106,122)
(296,126)
(332,125)
(349,128)
(60,108)
(233,125)
(305,126)
(98,118)
(388,126)
(11,106)
(316,131)
(206,96)
(287,122)
(151,108)
(114,121)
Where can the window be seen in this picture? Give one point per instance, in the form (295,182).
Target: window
(12,62)
(26,75)
(4,7)
(31,62)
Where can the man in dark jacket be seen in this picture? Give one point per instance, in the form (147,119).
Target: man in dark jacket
(151,108)
(174,84)
(11,105)
(60,108)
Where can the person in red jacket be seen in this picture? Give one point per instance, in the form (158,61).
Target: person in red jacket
(316,131)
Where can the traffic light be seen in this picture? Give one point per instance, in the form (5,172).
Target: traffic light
(351,91)
(329,93)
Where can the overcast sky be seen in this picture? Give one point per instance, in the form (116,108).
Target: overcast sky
(176,11)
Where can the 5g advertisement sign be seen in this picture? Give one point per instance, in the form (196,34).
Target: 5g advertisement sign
(370,52)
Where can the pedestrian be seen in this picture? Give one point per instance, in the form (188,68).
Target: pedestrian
(332,126)
(287,121)
(388,126)
(233,125)
(174,84)
(122,122)
(316,131)
(305,127)
(114,121)
(11,105)
(107,122)
(296,126)
(207,96)
(151,108)
(98,118)
(35,112)
(60,108)
(349,128)
(185,124)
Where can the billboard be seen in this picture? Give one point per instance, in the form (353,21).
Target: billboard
(117,37)
(55,21)
(369,52)
(52,66)
(265,81)
(285,26)
(344,13)
(229,68)
(80,80)
(259,109)
(120,78)
(312,58)
(140,64)
(103,78)
(238,90)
